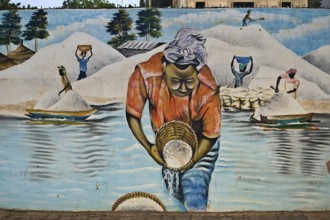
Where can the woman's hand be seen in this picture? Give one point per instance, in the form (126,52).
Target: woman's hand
(155,155)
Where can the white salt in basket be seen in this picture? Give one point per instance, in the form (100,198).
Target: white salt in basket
(138,201)
(176,143)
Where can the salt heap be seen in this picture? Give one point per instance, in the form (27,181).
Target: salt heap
(71,101)
(280,104)
(139,204)
(177,153)
(48,99)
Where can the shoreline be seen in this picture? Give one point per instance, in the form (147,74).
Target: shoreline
(18,110)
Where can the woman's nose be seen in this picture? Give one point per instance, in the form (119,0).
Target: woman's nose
(183,87)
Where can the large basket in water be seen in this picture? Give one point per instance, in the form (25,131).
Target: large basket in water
(176,131)
(138,201)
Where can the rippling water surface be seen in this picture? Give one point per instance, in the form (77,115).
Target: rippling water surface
(88,165)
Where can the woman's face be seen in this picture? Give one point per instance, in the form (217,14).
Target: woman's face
(180,82)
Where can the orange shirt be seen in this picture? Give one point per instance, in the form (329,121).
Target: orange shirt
(201,110)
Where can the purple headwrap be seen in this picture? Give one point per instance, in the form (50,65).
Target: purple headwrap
(187,48)
(291,70)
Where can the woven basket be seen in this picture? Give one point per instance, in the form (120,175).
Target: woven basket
(134,195)
(176,130)
(84,48)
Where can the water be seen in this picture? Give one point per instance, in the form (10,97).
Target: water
(87,166)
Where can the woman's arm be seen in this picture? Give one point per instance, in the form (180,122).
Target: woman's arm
(136,128)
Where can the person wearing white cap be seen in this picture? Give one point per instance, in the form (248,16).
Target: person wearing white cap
(178,85)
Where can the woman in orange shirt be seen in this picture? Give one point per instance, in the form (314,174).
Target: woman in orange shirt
(178,85)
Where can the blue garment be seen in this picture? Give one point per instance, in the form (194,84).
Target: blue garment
(192,187)
(82,75)
(245,23)
(83,64)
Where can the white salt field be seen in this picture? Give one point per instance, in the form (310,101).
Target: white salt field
(89,165)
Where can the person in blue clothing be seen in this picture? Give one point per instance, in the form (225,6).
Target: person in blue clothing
(83,63)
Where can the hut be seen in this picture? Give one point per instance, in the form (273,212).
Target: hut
(5,62)
(21,54)
(131,48)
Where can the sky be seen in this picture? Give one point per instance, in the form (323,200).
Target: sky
(58,3)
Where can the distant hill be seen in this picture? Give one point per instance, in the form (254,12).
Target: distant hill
(109,72)
(319,58)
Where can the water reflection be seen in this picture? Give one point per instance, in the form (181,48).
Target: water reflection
(81,145)
(90,164)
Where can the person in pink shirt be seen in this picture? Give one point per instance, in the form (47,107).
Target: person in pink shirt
(291,83)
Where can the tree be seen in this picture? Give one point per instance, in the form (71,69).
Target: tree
(7,5)
(36,28)
(148,23)
(142,3)
(314,3)
(87,4)
(10,29)
(119,26)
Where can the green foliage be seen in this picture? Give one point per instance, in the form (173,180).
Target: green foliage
(314,3)
(87,4)
(36,28)
(142,3)
(148,23)
(7,5)
(161,3)
(116,41)
(10,28)
(119,26)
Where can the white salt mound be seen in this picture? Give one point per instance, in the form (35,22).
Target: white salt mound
(48,99)
(177,153)
(280,104)
(139,204)
(71,101)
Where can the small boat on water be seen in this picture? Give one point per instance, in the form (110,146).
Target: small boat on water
(60,115)
(286,119)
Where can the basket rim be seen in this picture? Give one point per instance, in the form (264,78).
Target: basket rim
(194,141)
(137,194)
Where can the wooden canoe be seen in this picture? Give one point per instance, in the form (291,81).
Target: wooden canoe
(64,115)
(286,119)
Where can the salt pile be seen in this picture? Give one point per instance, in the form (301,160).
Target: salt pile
(48,99)
(177,153)
(280,104)
(139,204)
(71,101)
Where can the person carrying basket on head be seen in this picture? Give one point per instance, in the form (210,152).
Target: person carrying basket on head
(83,62)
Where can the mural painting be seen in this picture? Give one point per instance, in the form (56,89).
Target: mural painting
(203,110)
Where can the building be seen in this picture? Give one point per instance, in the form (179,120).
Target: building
(325,3)
(239,3)
(131,48)
(20,54)
(6,62)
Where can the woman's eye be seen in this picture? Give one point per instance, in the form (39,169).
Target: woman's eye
(175,80)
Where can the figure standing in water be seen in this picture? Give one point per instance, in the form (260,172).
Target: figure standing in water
(243,71)
(65,81)
(178,85)
(291,83)
(83,63)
